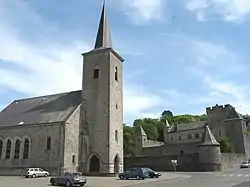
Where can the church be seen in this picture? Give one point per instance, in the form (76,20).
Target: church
(74,131)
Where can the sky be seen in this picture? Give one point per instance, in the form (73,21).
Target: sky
(182,55)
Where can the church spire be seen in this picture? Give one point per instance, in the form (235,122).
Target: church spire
(103,39)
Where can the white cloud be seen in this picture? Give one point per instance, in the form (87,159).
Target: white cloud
(145,10)
(52,67)
(227,10)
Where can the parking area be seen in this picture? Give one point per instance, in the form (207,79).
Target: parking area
(92,181)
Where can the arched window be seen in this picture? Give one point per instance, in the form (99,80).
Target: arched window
(8,149)
(1,148)
(17,149)
(26,147)
(116,74)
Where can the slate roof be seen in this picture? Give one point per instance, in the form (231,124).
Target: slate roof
(188,126)
(103,39)
(209,138)
(43,109)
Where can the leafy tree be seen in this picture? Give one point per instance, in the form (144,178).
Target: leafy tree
(226,145)
(167,113)
(149,125)
(128,141)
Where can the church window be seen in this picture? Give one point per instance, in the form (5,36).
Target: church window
(26,148)
(96,73)
(48,143)
(219,133)
(189,136)
(116,136)
(1,148)
(17,149)
(116,74)
(8,149)
(197,136)
(182,152)
(116,106)
(74,159)
(179,137)
(172,138)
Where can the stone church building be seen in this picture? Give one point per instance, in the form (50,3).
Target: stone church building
(74,131)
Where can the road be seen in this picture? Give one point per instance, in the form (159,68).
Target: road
(233,178)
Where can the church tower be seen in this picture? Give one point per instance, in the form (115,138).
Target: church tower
(102,108)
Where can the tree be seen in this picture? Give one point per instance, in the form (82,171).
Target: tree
(167,113)
(226,146)
(128,141)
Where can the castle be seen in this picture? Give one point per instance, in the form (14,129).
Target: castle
(75,131)
(196,145)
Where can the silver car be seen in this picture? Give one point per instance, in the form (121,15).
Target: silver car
(69,179)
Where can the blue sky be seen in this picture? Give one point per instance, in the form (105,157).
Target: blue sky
(180,55)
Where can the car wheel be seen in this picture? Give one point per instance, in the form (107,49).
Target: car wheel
(138,177)
(52,182)
(68,183)
(34,175)
(156,176)
(45,175)
(121,177)
(82,184)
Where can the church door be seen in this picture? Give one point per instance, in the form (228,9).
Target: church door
(116,164)
(94,165)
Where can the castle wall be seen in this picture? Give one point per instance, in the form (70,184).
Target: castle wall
(188,162)
(50,160)
(152,151)
(177,149)
(232,160)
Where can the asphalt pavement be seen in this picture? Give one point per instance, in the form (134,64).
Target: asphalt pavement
(233,178)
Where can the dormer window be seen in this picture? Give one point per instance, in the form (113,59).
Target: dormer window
(96,73)
(116,74)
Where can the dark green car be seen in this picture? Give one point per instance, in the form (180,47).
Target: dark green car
(134,173)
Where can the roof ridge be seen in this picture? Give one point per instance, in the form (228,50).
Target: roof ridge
(41,96)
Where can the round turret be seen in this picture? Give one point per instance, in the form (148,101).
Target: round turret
(209,153)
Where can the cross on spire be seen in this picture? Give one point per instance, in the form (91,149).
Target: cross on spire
(103,39)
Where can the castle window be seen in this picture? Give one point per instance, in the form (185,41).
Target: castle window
(116,136)
(74,159)
(96,73)
(116,74)
(17,149)
(197,136)
(8,149)
(189,136)
(1,148)
(26,148)
(179,137)
(182,152)
(116,106)
(48,143)
(219,133)
(172,138)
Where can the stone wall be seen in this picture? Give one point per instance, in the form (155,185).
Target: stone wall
(188,162)
(232,160)
(39,156)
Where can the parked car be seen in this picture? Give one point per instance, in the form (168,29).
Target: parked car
(136,173)
(69,179)
(245,164)
(152,173)
(35,172)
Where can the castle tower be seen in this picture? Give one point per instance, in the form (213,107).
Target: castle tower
(140,140)
(209,153)
(102,111)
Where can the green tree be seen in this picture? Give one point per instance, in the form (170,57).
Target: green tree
(226,145)
(167,113)
(149,125)
(128,141)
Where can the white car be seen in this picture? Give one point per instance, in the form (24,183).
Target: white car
(245,164)
(35,172)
